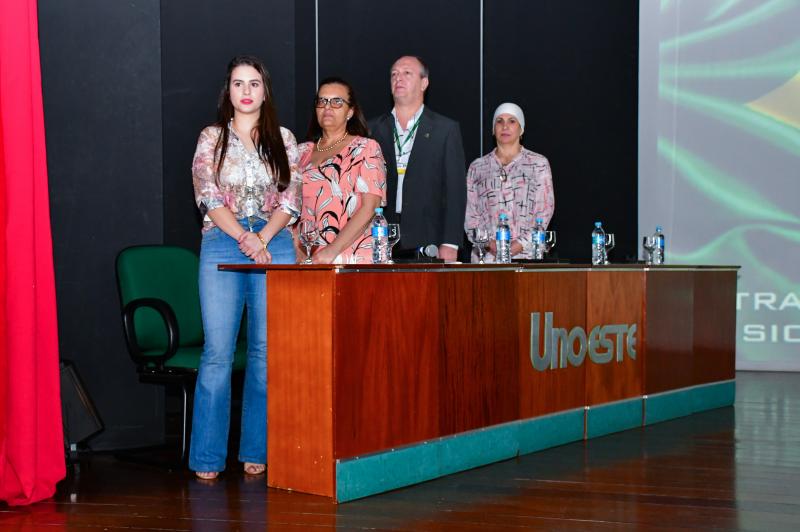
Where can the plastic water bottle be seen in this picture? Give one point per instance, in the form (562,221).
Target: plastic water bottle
(598,244)
(658,249)
(503,240)
(380,238)
(538,240)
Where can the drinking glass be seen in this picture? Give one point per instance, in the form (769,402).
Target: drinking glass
(550,241)
(609,245)
(308,237)
(394,238)
(479,236)
(649,245)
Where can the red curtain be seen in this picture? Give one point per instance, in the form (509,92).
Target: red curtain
(31,437)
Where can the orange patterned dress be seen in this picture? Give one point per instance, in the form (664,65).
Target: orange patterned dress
(332,192)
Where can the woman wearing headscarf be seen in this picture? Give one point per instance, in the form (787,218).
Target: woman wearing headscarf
(510,179)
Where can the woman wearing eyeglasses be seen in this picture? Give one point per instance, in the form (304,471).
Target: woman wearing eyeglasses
(512,180)
(344,176)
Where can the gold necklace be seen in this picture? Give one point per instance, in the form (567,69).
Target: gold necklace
(332,145)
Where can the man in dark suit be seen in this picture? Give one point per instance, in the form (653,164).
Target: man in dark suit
(426,185)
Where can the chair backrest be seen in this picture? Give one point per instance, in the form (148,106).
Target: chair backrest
(168,273)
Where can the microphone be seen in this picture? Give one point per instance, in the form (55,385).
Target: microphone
(430,251)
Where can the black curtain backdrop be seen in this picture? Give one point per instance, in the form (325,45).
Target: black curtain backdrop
(573,68)
(127,89)
(198,39)
(101,84)
(447,39)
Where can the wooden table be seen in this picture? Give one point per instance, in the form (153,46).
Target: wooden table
(382,376)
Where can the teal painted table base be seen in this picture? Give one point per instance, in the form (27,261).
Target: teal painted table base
(395,468)
(686,401)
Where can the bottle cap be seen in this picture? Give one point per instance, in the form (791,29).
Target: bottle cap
(503,216)
(379,210)
(658,229)
(598,224)
(539,220)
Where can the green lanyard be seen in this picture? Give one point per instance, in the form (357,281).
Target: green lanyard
(405,141)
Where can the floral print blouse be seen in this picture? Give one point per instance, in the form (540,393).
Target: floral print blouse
(523,189)
(332,192)
(246,185)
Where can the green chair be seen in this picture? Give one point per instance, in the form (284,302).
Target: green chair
(161,319)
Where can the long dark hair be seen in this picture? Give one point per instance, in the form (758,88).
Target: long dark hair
(357,125)
(267,134)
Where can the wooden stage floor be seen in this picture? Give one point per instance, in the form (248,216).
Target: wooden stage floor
(728,469)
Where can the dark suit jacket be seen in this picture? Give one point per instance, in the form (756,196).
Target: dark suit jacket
(435,184)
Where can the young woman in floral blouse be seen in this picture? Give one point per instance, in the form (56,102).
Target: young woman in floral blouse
(512,180)
(344,176)
(247,187)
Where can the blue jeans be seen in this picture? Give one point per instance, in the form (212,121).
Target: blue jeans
(223,295)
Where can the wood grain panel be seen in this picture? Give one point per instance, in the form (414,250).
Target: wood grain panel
(479,365)
(614,298)
(563,294)
(374,359)
(388,343)
(299,380)
(714,339)
(668,330)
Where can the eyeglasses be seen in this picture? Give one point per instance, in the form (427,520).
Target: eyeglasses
(336,102)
